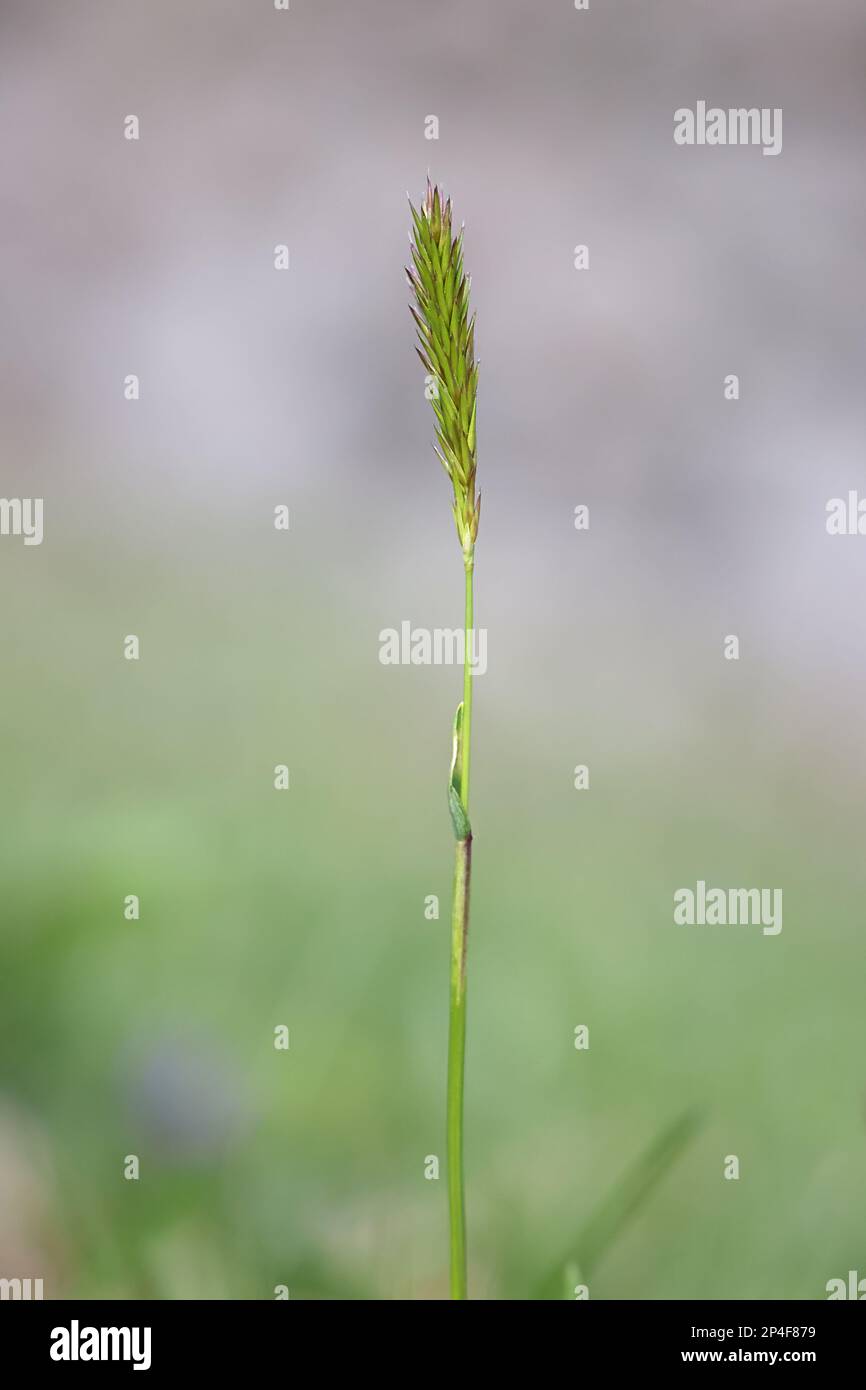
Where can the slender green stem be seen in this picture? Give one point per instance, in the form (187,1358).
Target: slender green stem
(469,563)
(456,1049)
(457,1015)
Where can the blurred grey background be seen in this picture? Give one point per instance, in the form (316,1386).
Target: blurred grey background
(605,387)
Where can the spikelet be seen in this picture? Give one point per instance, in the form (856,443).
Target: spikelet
(446,346)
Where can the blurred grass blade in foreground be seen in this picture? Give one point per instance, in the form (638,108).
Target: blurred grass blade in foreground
(621,1204)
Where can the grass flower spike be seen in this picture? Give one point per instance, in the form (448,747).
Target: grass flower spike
(446,346)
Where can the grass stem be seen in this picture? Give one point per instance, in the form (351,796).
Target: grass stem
(457,1013)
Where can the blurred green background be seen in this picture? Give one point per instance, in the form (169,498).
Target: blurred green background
(259,908)
(306,908)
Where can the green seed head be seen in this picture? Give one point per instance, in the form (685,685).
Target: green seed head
(446,346)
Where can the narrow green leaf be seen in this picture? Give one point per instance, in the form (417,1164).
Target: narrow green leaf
(622,1202)
(459,818)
